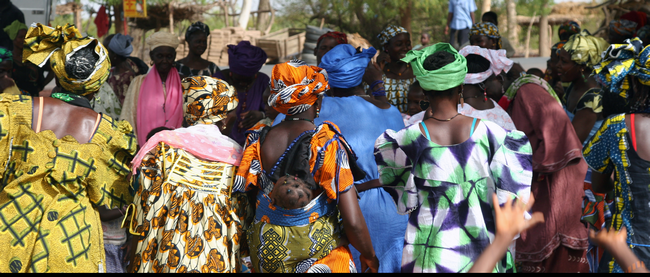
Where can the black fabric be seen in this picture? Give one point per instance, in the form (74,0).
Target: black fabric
(28,77)
(8,16)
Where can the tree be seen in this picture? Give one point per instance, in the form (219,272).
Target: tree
(245,13)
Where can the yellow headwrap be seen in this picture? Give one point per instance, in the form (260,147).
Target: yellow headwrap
(585,49)
(43,43)
(158,39)
(207,100)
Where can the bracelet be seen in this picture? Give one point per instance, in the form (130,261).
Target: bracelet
(380,92)
(375,83)
(635,266)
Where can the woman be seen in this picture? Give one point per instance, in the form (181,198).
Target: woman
(620,30)
(155,100)
(347,107)
(326,42)
(28,77)
(183,202)
(307,239)
(196,37)
(397,75)
(582,98)
(485,71)
(485,35)
(620,147)
(445,193)
(125,68)
(558,171)
(245,61)
(63,161)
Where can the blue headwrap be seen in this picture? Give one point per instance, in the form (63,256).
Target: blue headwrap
(121,45)
(345,67)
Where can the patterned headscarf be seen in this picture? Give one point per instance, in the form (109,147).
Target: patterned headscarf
(568,28)
(623,27)
(345,66)
(12,30)
(444,78)
(556,47)
(6,55)
(341,38)
(43,43)
(197,26)
(585,49)
(207,100)
(295,86)
(621,60)
(486,29)
(498,63)
(390,32)
(161,38)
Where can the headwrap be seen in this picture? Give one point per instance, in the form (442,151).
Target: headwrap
(390,32)
(345,67)
(295,86)
(447,77)
(621,60)
(640,18)
(623,27)
(12,30)
(6,55)
(197,26)
(556,47)
(644,34)
(498,63)
(245,59)
(486,29)
(43,43)
(121,45)
(568,28)
(161,38)
(207,100)
(585,49)
(341,38)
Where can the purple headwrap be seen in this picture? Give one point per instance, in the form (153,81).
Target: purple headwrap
(245,59)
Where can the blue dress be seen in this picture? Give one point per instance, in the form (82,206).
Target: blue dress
(361,123)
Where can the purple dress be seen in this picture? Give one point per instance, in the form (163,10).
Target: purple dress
(253,100)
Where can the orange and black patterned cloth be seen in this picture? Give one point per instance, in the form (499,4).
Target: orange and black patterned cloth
(307,239)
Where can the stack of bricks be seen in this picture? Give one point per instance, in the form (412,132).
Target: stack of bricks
(218,42)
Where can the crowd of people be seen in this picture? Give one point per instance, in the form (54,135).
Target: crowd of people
(435,158)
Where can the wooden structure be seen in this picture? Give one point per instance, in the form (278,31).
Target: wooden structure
(218,42)
(282,45)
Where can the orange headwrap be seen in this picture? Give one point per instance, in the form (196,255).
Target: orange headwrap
(295,86)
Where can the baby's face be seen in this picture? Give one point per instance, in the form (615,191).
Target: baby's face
(290,193)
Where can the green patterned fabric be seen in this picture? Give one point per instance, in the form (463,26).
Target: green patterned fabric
(447,192)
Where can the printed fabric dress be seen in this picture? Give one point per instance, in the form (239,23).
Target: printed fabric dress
(308,239)
(447,191)
(611,150)
(49,187)
(185,215)
(186,71)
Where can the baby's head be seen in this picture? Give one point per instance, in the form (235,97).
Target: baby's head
(290,192)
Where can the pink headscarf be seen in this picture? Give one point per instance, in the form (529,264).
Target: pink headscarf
(154,109)
(498,63)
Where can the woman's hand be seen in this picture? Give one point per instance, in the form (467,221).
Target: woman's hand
(510,219)
(609,239)
(559,89)
(371,264)
(249,119)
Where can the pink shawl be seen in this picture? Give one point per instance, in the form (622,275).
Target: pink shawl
(153,109)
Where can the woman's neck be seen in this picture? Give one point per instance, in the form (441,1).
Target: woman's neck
(444,107)
(473,95)
(582,81)
(193,57)
(163,76)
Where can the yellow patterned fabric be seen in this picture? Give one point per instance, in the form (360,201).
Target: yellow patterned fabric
(396,91)
(185,216)
(49,187)
(43,43)
(585,49)
(207,100)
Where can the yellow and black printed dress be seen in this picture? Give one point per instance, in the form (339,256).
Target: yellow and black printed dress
(49,187)
(185,216)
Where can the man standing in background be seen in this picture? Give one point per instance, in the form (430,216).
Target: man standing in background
(8,14)
(459,21)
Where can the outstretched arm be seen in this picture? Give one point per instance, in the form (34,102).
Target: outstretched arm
(357,230)
(615,242)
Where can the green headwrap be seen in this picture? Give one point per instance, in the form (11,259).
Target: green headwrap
(449,76)
(12,30)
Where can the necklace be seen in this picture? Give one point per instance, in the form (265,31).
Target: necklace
(297,119)
(445,120)
(400,74)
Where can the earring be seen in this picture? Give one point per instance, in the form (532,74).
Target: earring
(151,63)
(481,85)
(462,99)
(317,111)
(424,105)
(583,75)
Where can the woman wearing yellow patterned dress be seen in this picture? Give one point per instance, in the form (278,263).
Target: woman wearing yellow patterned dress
(185,219)
(285,239)
(60,161)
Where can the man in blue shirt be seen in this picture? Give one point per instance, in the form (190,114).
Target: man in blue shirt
(460,19)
